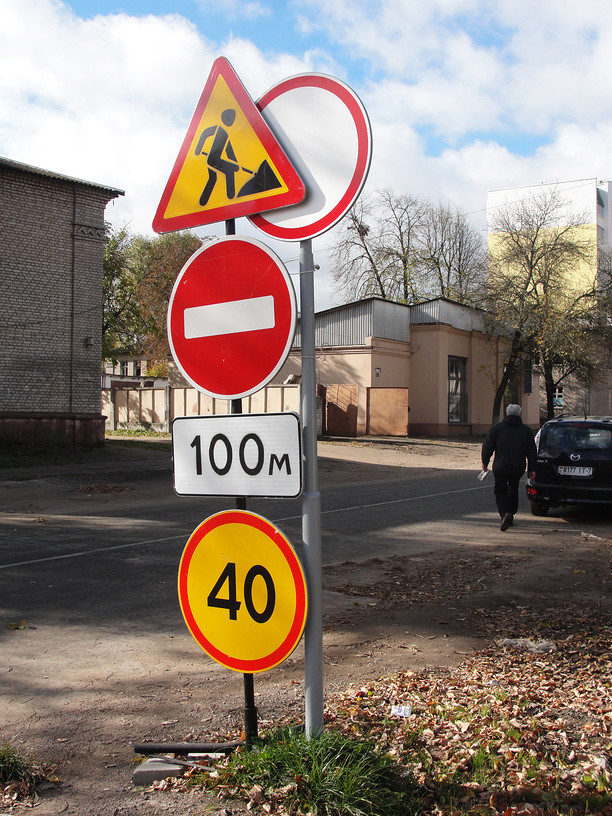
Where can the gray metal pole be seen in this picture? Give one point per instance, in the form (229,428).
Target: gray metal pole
(311,500)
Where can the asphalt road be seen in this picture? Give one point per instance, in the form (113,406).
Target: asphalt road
(94,651)
(109,537)
(52,526)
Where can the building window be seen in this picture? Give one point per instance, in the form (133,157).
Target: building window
(558,397)
(123,368)
(457,390)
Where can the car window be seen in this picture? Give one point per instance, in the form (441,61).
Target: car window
(556,438)
(572,438)
(599,438)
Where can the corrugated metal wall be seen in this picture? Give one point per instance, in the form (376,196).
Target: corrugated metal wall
(452,314)
(391,321)
(350,325)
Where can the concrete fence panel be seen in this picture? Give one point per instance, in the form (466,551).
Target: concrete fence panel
(155,408)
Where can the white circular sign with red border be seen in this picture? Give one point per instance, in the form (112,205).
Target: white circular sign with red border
(324,129)
(231,317)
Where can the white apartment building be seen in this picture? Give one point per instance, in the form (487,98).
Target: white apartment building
(588,200)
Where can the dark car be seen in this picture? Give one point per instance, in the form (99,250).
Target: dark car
(574,464)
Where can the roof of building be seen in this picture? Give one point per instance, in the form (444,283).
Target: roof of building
(39,171)
(395,303)
(351,323)
(363,300)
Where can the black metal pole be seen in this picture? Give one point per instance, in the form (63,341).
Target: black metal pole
(186,747)
(250,710)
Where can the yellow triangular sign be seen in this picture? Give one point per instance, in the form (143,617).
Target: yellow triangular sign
(230,163)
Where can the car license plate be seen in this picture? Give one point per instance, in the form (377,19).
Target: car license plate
(573,470)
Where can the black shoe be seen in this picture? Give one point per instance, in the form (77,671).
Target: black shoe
(506,521)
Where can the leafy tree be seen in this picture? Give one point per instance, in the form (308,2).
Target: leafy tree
(157,263)
(121,322)
(405,249)
(542,290)
(139,273)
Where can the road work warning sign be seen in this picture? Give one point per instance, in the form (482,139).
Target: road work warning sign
(230,163)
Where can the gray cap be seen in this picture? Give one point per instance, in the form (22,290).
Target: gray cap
(513,410)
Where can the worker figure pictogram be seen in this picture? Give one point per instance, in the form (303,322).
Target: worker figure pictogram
(215,160)
(261,179)
(230,163)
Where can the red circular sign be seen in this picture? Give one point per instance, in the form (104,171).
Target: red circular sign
(231,317)
(324,129)
(242,591)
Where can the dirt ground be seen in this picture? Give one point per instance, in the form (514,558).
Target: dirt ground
(80,703)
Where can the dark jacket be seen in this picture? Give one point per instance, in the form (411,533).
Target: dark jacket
(512,442)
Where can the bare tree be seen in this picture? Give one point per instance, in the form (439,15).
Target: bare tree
(377,253)
(406,249)
(453,254)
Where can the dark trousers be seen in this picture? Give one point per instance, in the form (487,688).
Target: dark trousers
(506,492)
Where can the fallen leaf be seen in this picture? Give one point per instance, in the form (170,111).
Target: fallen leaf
(21,625)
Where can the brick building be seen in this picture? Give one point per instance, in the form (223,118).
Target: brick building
(51,251)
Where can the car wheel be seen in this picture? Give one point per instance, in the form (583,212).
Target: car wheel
(538,509)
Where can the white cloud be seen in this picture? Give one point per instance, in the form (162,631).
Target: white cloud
(109,99)
(468,65)
(450,87)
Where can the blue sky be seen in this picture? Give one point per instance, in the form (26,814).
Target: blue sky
(275,26)
(271,25)
(463,96)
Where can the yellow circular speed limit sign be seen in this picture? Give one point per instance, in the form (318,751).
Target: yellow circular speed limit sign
(242,591)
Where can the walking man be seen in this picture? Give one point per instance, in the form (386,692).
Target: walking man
(512,443)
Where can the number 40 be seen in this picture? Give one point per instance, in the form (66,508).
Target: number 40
(231,602)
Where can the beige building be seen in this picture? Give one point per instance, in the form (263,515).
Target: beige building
(383,369)
(430,369)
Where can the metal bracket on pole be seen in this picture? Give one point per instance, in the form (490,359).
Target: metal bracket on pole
(311,500)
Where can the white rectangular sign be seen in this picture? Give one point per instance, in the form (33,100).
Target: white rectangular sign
(252,314)
(238,455)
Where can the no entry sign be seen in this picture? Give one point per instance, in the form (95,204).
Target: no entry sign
(231,317)
(242,591)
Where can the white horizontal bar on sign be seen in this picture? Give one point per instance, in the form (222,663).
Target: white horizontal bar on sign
(231,317)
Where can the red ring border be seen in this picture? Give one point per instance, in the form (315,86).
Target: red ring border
(297,626)
(364,155)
